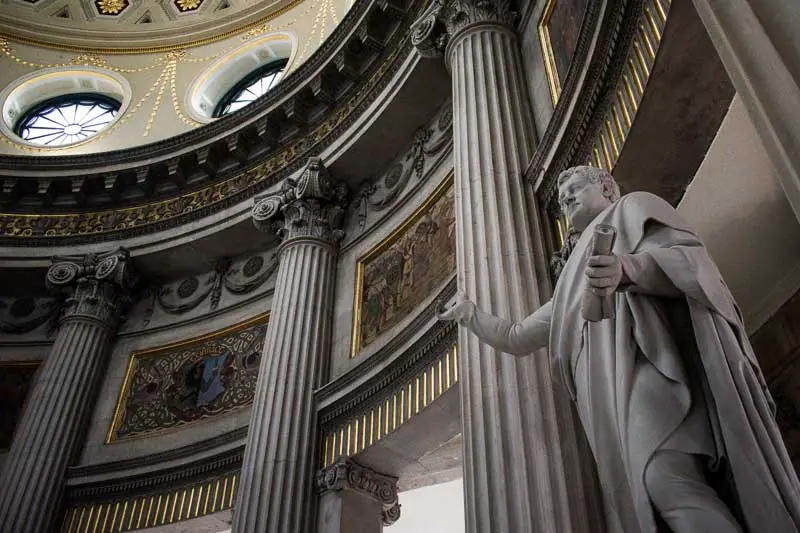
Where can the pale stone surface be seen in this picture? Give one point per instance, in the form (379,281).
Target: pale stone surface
(276,489)
(736,204)
(641,385)
(355,499)
(758,43)
(433,509)
(52,426)
(521,454)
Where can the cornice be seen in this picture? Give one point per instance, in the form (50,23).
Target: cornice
(215,166)
(182,453)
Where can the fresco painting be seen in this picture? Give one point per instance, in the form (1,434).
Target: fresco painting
(175,385)
(561,28)
(401,272)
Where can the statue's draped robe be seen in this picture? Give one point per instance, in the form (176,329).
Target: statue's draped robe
(674,371)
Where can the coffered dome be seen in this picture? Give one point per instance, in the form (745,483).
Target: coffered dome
(124,24)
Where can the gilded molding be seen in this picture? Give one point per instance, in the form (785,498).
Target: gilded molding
(443,189)
(126,508)
(97,286)
(172,404)
(287,157)
(346,474)
(246,29)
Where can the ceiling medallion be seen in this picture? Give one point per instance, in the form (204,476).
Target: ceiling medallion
(111,7)
(188,5)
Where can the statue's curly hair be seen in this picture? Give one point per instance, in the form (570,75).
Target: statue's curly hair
(596,176)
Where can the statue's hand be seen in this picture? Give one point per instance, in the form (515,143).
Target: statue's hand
(460,311)
(604,273)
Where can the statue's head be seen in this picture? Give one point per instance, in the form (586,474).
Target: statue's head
(584,192)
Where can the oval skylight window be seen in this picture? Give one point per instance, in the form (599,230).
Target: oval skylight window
(67,119)
(250,88)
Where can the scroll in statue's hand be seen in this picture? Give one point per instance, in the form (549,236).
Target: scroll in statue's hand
(604,274)
(460,311)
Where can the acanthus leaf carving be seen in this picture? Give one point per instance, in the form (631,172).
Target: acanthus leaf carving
(96,286)
(345,474)
(443,19)
(311,206)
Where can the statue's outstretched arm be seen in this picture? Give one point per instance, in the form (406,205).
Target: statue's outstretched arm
(517,338)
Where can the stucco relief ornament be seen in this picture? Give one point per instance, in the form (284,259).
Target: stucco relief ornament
(311,206)
(96,286)
(443,19)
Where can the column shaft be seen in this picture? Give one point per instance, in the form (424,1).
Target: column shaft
(521,463)
(51,428)
(759,45)
(276,490)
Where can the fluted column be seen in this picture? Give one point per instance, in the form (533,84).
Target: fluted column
(759,43)
(276,493)
(521,461)
(52,428)
(355,499)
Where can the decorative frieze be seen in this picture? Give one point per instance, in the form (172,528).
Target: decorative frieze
(23,315)
(234,157)
(414,164)
(170,504)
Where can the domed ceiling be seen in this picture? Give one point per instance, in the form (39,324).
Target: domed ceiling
(121,24)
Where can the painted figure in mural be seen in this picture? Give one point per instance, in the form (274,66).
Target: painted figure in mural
(668,390)
(415,263)
(212,385)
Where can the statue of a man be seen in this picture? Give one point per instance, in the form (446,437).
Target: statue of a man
(668,390)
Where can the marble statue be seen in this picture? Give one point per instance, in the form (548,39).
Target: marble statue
(668,390)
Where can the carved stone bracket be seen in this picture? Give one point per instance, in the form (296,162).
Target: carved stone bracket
(443,19)
(346,474)
(312,206)
(97,285)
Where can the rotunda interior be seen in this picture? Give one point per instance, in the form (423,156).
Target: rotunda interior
(228,229)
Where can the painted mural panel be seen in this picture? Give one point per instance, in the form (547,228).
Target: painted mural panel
(177,384)
(401,272)
(16,380)
(559,30)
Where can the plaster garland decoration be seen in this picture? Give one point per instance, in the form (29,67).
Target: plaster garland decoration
(428,142)
(22,315)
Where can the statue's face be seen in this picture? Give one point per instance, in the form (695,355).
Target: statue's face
(581,201)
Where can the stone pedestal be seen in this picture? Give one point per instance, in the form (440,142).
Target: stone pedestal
(521,462)
(52,428)
(354,499)
(276,492)
(759,44)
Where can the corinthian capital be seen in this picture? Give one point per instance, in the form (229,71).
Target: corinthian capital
(443,19)
(97,285)
(345,474)
(311,206)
